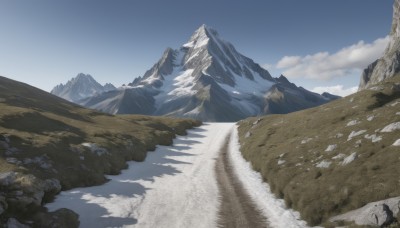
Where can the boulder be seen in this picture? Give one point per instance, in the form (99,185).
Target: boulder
(13,223)
(380,213)
(62,218)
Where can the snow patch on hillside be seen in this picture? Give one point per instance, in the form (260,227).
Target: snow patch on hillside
(391,127)
(349,159)
(273,209)
(396,143)
(355,133)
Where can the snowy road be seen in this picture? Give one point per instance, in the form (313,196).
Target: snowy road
(177,186)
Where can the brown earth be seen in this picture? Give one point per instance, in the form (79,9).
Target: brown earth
(237,208)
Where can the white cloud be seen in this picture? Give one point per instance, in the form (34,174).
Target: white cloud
(288,61)
(323,65)
(336,90)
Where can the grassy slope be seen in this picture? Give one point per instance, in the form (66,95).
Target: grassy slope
(319,193)
(40,125)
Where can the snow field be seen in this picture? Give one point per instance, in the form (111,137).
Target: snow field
(174,187)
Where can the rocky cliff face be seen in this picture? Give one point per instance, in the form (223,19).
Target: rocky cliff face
(389,64)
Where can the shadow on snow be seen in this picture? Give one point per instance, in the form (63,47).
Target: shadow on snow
(112,204)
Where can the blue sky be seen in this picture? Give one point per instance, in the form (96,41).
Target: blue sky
(46,42)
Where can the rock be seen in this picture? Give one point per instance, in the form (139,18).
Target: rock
(248,134)
(95,149)
(26,190)
(32,188)
(378,213)
(389,65)
(62,218)
(13,223)
(7,178)
(257,121)
(52,185)
(3,204)
(13,161)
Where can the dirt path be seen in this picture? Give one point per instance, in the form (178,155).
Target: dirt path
(237,208)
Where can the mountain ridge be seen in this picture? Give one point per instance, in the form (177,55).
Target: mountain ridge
(206,79)
(80,87)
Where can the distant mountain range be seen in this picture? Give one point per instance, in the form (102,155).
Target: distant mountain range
(80,87)
(206,79)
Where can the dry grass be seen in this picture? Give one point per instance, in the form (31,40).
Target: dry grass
(276,150)
(41,125)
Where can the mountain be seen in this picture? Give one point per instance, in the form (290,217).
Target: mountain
(206,79)
(80,87)
(48,144)
(389,64)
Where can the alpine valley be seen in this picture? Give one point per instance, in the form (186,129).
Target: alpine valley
(205,79)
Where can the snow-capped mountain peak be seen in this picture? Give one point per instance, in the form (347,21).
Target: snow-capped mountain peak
(208,79)
(80,87)
(201,37)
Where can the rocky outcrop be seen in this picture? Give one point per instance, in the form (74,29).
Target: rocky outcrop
(23,193)
(61,218)
(389,65)
(23,190)
(380,213)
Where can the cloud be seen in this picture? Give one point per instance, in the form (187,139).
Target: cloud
(336,90)
(324,66)
(288,61)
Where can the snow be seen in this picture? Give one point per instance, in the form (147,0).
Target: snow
(331,148)
(95,149)
(355,133)
(274,209)
(304,141)
(349,159)
(245,89)
(174,187)
(281,162)
(396,143)
(339,135)
(352,123)
(189,44)
(395,103)
(339,156)
(323,164)
(398,113)
(178,84)
(374,138)
(391,127)
(370,118)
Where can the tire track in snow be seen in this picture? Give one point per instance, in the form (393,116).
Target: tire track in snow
(237,208)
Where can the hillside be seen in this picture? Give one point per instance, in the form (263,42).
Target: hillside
(333,158)
(48,144)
